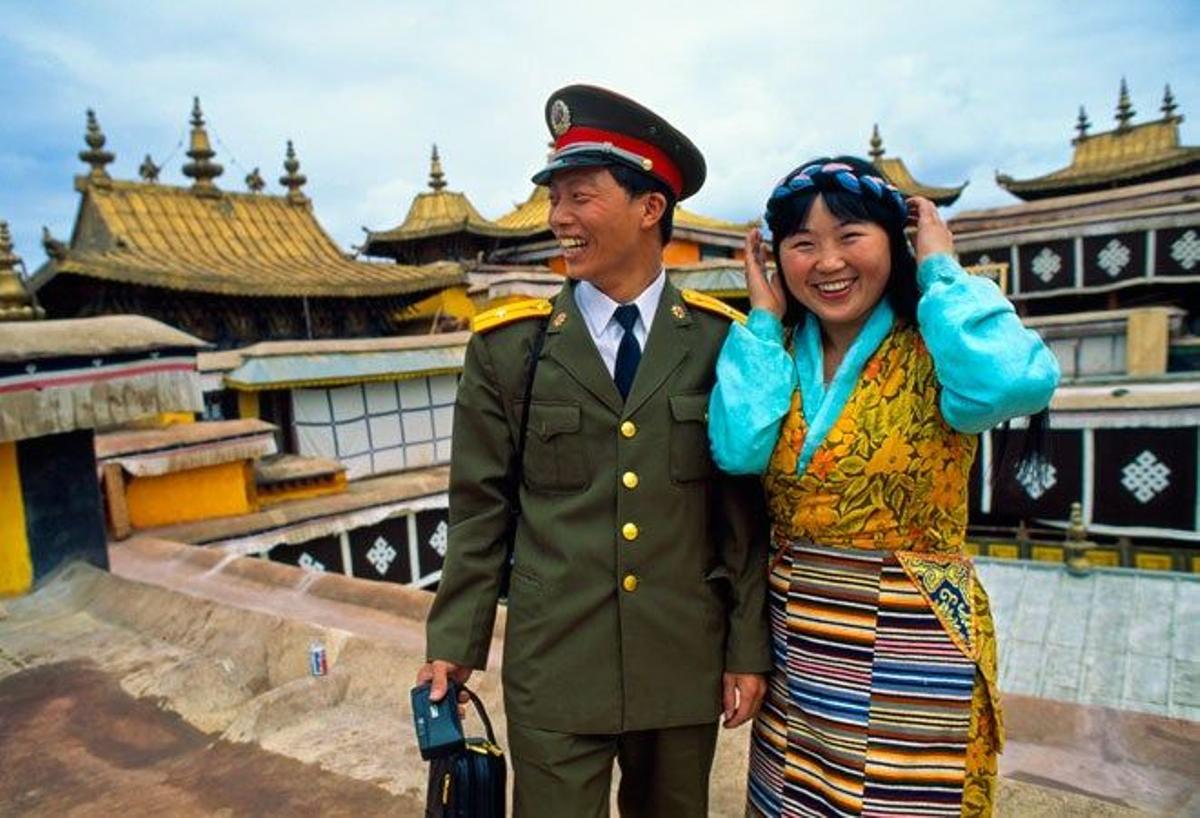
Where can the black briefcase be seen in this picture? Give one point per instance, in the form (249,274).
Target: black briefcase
(469,783)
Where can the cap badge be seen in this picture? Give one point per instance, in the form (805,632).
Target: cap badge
(560,117)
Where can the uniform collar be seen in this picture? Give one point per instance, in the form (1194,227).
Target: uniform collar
(597,308)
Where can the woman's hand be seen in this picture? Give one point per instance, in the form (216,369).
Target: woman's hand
(765,292)
(933,236)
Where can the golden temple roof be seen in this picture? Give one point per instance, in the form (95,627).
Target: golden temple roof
(437,212)
(895,171)
(1128,154)
(533,216)
(16,304)
(204,239)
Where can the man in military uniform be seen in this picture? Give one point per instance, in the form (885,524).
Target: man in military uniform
(636,613)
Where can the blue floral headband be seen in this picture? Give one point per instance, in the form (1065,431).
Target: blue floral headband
(824,176)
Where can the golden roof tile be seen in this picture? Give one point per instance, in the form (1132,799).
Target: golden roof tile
(1128,154)
(232,243)
(437,212)
(895,171)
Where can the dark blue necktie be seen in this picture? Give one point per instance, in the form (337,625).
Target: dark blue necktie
(628,353)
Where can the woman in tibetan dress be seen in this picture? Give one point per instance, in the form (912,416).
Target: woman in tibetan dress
(856,389)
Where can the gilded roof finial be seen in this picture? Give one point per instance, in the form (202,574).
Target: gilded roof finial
(148,170)
(292,180)
(202,169)
(16,304)
(1082,124)
(95,155)
(437,179)
(1125,110)
(1168,103)
(54,248)
(255,182)
(876,145)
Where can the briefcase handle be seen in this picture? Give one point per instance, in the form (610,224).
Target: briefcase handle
(482,711)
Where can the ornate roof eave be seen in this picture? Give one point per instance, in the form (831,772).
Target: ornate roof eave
(1066,182)
(896,172)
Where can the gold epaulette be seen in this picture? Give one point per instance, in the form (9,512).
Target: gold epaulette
(700,301)
(508,313)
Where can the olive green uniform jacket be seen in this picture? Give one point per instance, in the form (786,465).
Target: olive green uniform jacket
(640,571)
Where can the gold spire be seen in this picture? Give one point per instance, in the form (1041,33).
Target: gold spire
(95,155)
(16,304)
(1082,124)
(292,180)
(202,169)
(1168,104)
(148,170)
(876,145)
(437,179)
(1125,110)
(254,181)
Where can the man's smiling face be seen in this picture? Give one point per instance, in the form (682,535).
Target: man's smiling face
(597,223)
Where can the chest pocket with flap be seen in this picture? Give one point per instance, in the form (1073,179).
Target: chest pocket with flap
(690,458)
(554,453)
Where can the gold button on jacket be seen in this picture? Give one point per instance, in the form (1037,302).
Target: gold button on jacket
(579,658)
(630,583)
(629,531)
(629,479)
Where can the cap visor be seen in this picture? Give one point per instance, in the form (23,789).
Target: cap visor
(579,160)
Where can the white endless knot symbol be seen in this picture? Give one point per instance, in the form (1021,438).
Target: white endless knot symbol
(1186,250)
(1145,477)
(1046,264)
(984,259)
(309,564)
(1113,258)
(438,541)
(1037,477)
(381,555)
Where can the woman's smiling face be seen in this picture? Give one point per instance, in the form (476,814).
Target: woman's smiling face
(837,269)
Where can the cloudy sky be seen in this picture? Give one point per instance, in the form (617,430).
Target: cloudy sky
(958,89)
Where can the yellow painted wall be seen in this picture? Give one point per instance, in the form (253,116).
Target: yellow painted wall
(681,252)
(16,567)
(1047,553)
(247,404)
(195,494)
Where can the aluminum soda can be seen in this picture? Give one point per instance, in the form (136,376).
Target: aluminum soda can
(317,664)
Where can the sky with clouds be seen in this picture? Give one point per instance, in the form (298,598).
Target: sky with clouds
(364,88)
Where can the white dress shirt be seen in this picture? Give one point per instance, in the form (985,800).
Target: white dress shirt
(598,310)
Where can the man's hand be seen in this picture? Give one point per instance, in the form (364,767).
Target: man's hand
(437,672)
(742,697)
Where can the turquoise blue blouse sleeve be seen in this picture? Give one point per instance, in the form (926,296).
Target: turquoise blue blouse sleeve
(990,367)
(755,380)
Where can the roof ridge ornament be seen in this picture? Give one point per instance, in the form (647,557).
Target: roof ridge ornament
(1081,125)
(437,179)
(1169,106)
(293,180)
(95,155)
(16,302)
(1125,111)
(202,169)
(149,171)
(254,181)
(876,145)
(54,248)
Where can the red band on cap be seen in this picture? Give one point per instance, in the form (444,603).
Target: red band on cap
(661,167)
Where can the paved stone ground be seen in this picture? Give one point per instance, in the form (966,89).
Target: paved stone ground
(189,695)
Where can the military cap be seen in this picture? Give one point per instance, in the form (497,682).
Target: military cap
(594,126)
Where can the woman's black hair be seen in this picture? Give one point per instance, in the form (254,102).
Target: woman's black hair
(786,216)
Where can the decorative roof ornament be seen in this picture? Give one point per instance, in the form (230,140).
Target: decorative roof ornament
(293,180)
(876,145)
(54,248)
(16,304)
(254,181)
(1125,110)
(149,171)
(1082,124)
(1168,104)
(202,169)
(437,179)
(95,155)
